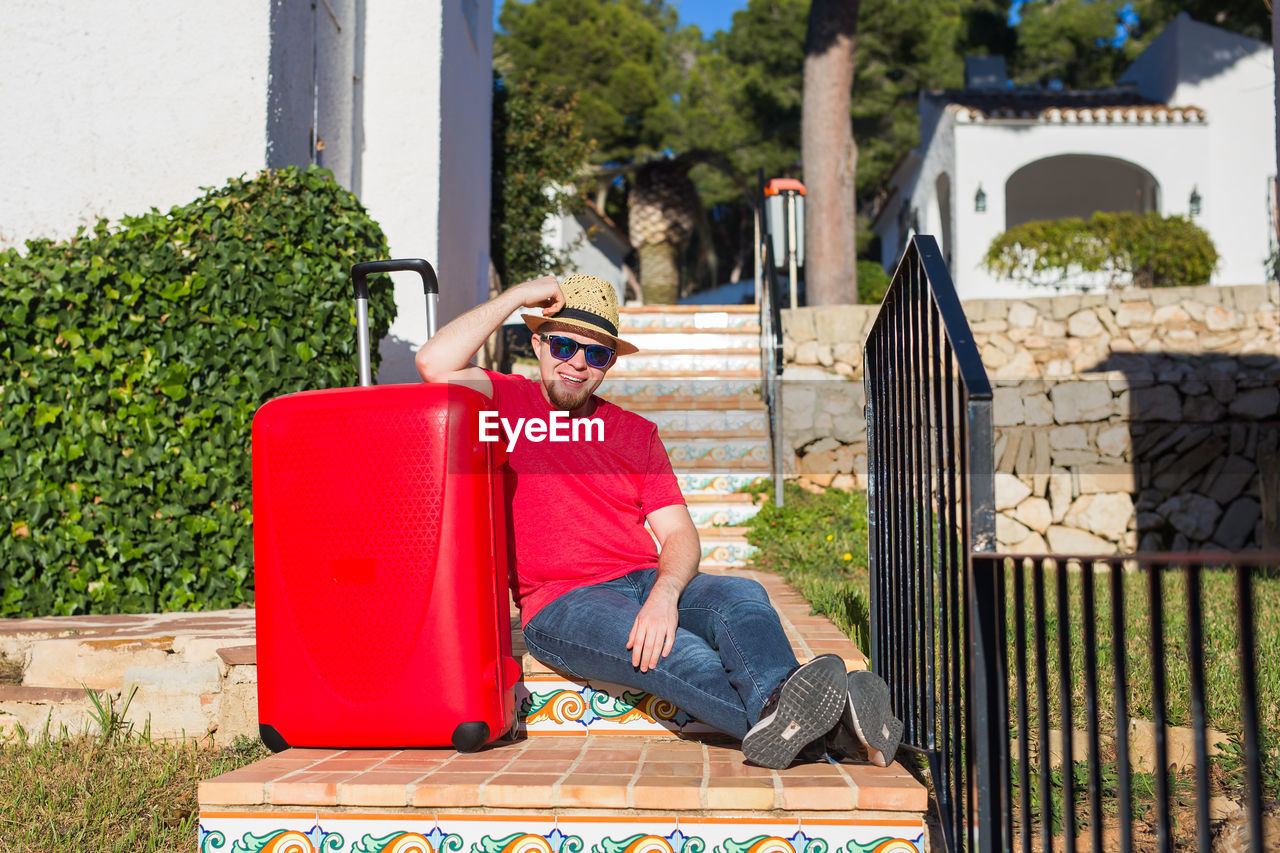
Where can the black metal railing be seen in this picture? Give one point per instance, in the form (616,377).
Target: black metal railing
(1025,681)
(771,356)
(1130,714)
(930,503)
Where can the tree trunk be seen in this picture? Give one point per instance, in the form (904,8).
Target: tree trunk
(663,209)
(660,273)
(829,154)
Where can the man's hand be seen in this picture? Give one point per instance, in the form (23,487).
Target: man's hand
(543,292)
(654,631)
(447,356)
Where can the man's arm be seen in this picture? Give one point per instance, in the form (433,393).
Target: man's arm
(654,630)
(447,356)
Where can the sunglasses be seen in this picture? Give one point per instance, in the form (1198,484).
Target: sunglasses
(562,348)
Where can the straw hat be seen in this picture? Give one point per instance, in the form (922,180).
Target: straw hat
(590,304)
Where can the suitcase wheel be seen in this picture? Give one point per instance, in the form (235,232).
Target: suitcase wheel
(468,737)
(271,738)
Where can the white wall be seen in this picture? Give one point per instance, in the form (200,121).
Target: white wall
(465,155)
(426,159)
(129,104)
(88,132)
(1241,156)
(1233,79)
(402,153)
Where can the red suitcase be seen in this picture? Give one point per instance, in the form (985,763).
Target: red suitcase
(380,563)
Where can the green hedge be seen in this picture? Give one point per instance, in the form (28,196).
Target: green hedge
(1152,250)
(132,359)
(873,281)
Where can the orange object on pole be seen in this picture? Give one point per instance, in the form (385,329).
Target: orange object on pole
(780,185)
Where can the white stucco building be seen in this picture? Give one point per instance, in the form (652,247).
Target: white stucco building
(1191,124)
(118,106)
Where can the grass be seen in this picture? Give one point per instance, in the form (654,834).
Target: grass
(1220,652)
(113,789)
(818,543)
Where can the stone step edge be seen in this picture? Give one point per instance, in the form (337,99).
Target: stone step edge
(628,330)
(683,374)
(761,465)
(893,801)
(726,498)
(723,351)
(689,309)
(686,434)
(646,402)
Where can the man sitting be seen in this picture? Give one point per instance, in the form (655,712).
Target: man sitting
(597,598)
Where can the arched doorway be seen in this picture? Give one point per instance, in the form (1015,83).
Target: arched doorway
(1078,185)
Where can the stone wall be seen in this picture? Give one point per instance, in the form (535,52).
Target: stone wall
(1138,418)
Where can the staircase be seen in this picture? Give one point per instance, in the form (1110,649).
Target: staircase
(599,768)
(697,376)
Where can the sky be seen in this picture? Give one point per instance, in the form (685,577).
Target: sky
(709,15)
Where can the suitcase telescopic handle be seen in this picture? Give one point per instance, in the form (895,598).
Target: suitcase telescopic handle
(360,278)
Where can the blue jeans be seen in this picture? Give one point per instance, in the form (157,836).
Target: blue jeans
(729,653)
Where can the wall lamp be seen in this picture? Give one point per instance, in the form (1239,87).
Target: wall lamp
(980,200)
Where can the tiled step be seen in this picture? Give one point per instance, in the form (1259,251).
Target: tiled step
(720,340)
(705,483)
(741,453)
(670,312)
(714,391)
(731,498)
(721,515)
(598,768)
(600,794)
(692,363)
(695,422)
(724,551)
(192,676)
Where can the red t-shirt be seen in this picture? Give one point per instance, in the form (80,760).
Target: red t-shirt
(577,506)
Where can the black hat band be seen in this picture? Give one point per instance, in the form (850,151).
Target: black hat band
(587,317)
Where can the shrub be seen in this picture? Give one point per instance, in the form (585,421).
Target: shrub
(132,359)
(873,281)
(1149,249)
(538,150)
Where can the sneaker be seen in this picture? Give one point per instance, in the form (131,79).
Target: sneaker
(804,707)
(867,715)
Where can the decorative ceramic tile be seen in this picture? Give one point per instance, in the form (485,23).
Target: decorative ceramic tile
(716,482)
(722,515)
(540,833)
(718,451)
(652,342)
(693,362)
(691,387)
(726,552)
(552,705)
(702,321)
(710,420)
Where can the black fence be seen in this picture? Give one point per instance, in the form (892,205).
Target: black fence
(1061,702)
(930,501)
(1131,718)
